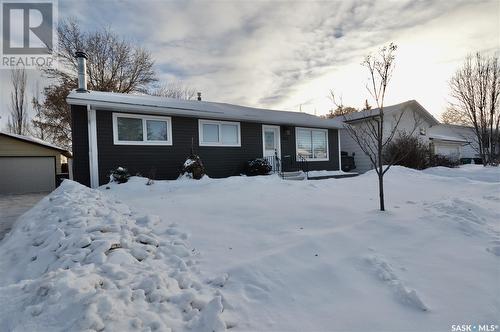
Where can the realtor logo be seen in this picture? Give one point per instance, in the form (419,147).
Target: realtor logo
(28,36)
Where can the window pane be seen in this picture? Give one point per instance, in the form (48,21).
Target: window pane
(319,144)
(210,133)
(269,140)
(157,130)
(304,143)
(229,134)
(129,129)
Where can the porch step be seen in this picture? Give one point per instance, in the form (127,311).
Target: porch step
(299,175)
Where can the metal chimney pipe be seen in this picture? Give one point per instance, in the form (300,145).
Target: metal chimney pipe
(81,59)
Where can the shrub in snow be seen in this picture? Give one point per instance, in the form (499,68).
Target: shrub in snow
(193,168)
(120,175)
(440,160)
(408,151)
(257,167)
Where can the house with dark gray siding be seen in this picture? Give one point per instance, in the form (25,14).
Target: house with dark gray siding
(145,133)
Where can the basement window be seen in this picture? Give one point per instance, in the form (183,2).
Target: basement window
(312,144)
(219,133)
(136,129)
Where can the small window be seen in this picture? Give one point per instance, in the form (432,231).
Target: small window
(157,130)
(210,133)
(129,129)
(219,133)
(312,144)
(135,129)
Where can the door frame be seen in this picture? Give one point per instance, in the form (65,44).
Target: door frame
(278,130)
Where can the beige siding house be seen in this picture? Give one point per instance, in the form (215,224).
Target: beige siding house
(28,164)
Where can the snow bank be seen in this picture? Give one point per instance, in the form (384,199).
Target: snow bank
(82,261)
(471,172)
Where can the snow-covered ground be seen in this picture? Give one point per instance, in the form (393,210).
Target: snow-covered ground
(273,255)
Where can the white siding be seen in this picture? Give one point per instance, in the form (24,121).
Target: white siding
(348,145)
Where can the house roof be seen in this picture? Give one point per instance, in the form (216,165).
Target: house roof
(448,138)
(415,105)
(37,141)
(445,132)
(195,108)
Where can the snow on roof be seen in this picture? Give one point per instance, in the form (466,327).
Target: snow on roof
(195,108)
(388,109)
(38,141)
(448,138)
(451,133)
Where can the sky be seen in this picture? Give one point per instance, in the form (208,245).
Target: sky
(288,55)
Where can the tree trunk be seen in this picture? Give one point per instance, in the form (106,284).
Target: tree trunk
(381,191)
(380,161)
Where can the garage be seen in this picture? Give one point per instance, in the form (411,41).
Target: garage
(27,174)
(30,165)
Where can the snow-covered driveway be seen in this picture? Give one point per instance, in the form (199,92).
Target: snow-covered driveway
(317,255)
(12,206)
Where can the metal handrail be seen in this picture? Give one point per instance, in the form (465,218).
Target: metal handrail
(302,162)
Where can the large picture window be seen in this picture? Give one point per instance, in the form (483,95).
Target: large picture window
(312,144)
(136,129)
(219,133)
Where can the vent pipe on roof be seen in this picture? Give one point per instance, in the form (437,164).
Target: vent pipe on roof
(81,59)
(199,96)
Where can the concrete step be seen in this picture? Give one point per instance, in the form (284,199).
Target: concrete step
(297,176)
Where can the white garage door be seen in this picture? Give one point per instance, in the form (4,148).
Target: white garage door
(27,174)
(448,150)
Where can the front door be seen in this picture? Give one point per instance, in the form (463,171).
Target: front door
(271,144)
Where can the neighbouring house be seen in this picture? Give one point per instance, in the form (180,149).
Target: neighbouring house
(453,142)
(28,164)
(148,134)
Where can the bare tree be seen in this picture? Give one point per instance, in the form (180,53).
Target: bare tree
(475,89)
(114,65)
(175,90)
(370,134)
(340,108)
(455,117)
(367,106)
(39,127)
(18,119)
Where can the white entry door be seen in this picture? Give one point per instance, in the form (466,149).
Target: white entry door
(271,142)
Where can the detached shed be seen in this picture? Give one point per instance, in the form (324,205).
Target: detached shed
(29,164)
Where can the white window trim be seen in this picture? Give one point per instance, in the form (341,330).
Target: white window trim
(327,143)
(219,123)
(144,141)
